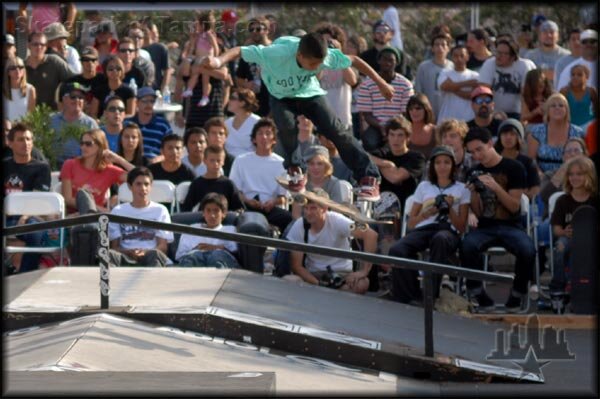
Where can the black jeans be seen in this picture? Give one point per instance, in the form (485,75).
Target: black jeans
(442,244)
(317,109)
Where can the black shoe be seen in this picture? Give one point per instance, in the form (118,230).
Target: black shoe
(484,301)
(514,303)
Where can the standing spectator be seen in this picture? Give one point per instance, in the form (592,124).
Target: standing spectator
(548,51)
(546,141)
(216,135)
(131,146)
(482,104)
(382,38)
(274,31)
(226,36)
(106,42)
(536,90)
(93,19)
(428,71)
(243,104)
(574,45)
(171,168)
(114,115)
(260,191)
(456,86)
(589,57)
(18,95)
(57,37)
(113,85)
(194,140)
(128,55)
(478,43)
(420,115)
(154,127)
(356,45)
(505,74)
(159,54)
(582,99)
(45,72)
(374,108)
(392,18)
(43,14)
(497,207)
(89,77)
(142,59)
(133,245)
(72,96)
(9,49)
(248,73)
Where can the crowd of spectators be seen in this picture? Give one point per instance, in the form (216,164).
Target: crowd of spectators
(523,119)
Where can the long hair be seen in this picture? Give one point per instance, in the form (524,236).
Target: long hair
(248,97)
(99,138)
(422,100)
(14,61)
(556,97)
(138,153)
(432,174)
(114,59)
(591,179)
(533,79)
(326,161)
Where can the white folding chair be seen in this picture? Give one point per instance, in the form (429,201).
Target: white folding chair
(34,203)
(551,205)
(162,191)
(347,192)
(181,192)
(124,194)
(408,204)
(54,178)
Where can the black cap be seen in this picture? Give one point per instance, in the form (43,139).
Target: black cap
(512,124)
(442,150)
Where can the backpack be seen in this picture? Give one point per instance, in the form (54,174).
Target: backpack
(281,257)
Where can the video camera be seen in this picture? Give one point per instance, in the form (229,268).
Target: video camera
(474,180)
(331,279)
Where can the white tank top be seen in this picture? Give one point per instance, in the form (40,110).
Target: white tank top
(17,107)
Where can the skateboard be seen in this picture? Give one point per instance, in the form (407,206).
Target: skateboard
(362,222)
(388,208)
(584,260)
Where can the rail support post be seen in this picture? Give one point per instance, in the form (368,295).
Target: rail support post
(104,257)
(428,312)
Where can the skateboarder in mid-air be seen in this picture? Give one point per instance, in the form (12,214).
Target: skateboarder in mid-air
(289,69)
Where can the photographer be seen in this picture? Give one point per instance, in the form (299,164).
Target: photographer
(437,218)
(496,185)
(332,230)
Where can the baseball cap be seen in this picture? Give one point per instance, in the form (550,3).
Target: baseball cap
(537,19)
(315,150)
(102,28)
(442,150)
(68,88)
(381,23)
(482,90)
(9,39)
(549,26)
(89,53)
(146,91)
(588,34)
(512,124)
(56,30)
(229,16)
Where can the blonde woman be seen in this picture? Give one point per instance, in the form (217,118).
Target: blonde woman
(19,96)
(87,178)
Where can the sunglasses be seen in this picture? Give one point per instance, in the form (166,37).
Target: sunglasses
(115,109)
(482,100)
(15,67)
(76,97)
(257,29)
(86,143)
(88,60)
(114,69)
(126,50)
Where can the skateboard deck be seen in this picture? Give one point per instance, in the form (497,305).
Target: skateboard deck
(349,211)
(584,260)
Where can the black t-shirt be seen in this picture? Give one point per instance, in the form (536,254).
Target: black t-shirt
(249,71)
(184,173)
(510,175)
(228,163)
(159,54)
(412,161)
(474,64)
(103,91)
(137,74)
(93,84)
(36,154)
(565,208)
(492,127)
(18,177)
(531,173)
(221,185)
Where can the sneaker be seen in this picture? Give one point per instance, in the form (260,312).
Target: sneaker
(484,302)
(203,101)
(369,189)
(296,179)
(514,303)
(187,93)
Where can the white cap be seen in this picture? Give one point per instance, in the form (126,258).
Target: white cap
(588,34)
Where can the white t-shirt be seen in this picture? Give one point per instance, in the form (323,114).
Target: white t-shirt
(238,140)
(451,105)
(335,234)
(426,82)
(339,94)
(73,60)
(391,17)
(255,175)
(17,107)
(188,242)
(132,236)
(426,192)
(565,75)
(506,82)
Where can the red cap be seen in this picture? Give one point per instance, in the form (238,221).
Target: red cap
(229,16)
(482,90)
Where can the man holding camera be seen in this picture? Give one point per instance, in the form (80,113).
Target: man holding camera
(331,229)
(496,185)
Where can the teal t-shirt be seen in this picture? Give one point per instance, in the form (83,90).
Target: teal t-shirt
(281,73)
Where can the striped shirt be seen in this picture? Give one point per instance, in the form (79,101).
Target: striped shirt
(152,132)
(370,99)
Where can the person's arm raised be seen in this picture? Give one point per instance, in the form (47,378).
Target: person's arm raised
(217,62)
(387,90)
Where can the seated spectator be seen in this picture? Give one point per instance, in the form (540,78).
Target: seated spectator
(106,42)
(319,173)
(243,104)
(213,181)
(497,204)
(134,245)
(203,251)
(548,51)
(452,133)
(159,54)
(589,58)
(400,168)
(131,146)
(216,135)
(428,70)
(171,168)
(420,115)
(113,85)
(478,43)
(18,96)
(90,77)
(546,141)
(582,99)
(509,145)
(456,85)
(333,230)
(142,58)
(574,44)
(23,173)
(87,178)
(72,96)
(581,188)
(483,106)
(260,191)
(128,55)
(7,151)
(195,144)
(437,218)
(373,106)
(536,90)
(340,169)
(154,126)
(114,115)
(57,37)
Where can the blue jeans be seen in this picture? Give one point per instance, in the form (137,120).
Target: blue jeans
(29,261)
(513,239)
(219,258)
(326,123)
